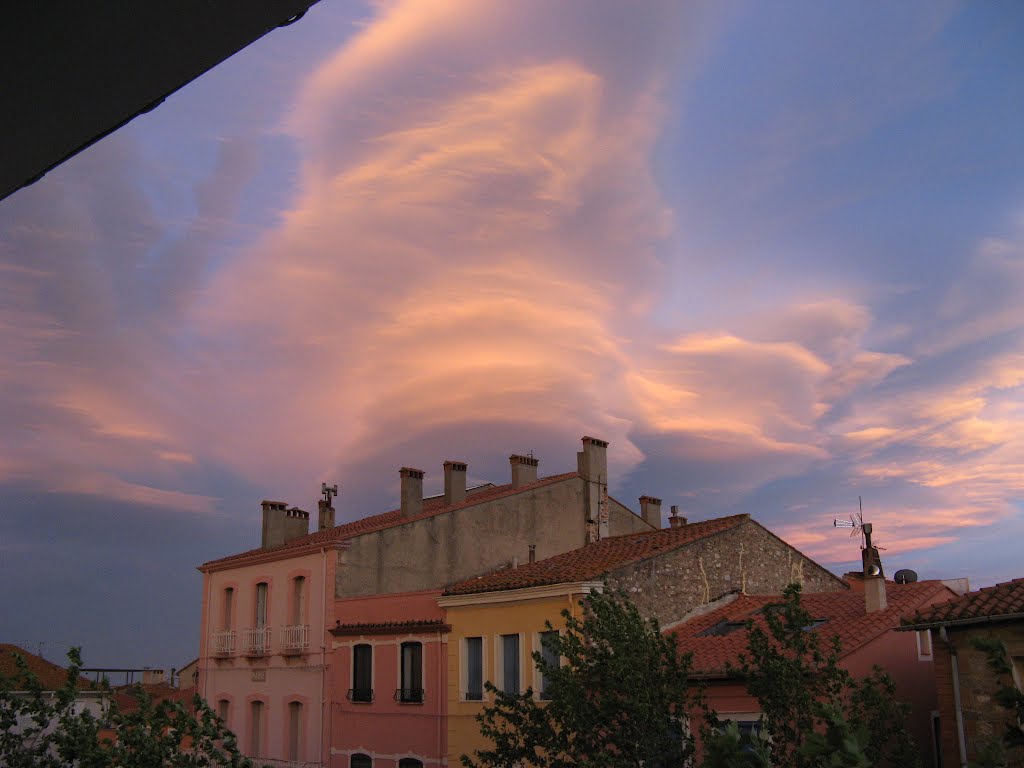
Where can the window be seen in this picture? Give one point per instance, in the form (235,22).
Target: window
(474,668)
(255,728)
(510,664)
(223,710)
(298,600)
(409,762)
(360,761)
(229,604)
(294,725)
(412,673)
(261,604)
(551,659)
(924,644)
(362,673)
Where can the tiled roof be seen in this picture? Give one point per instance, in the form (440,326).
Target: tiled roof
(844,613)
(1002,601)
(594,560)
(391,627)
(51,676)
(157,692)
(431,507)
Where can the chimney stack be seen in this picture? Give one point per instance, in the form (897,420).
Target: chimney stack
(454,482)
(650,510)
(874,577)
(281,524)
(325,515)
(533,553)
(675,520)
(524,470)
(412,491)
(592,464)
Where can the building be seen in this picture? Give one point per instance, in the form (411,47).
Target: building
(266,647)
(971,717)
(497,620)
(865,624)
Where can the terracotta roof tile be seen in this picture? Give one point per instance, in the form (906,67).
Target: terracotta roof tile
(985,604)
(51,676)
(431,507)
(594,560)
(844,615)
(391,627)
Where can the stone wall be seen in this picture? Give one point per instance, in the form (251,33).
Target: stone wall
(748,558)
(439,550)
(984,719)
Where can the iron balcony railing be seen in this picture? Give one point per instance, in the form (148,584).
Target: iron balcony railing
(257,640)
(295,637)
(224,642)
(360,694)
(409,695)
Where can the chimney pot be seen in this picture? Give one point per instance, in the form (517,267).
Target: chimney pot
(412,491)
(533,553)
(675,520)
(281,524)
(454,482)
(650,510)
(524,470)
(325,516)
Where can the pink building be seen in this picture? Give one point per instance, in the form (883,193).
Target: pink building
(264,651)
(389,677)
(866,626)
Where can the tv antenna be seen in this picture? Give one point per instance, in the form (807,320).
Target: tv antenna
(857,525)
(328,491)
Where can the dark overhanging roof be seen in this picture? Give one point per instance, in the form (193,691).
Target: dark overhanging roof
(74,72)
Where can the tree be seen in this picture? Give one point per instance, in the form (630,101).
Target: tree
(41,729)
(622,697)
(803,690)
(999,752)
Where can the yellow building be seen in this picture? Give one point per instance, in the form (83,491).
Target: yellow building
(493,637)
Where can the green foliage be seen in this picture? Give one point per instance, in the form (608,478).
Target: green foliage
(726,747)
(803,691)
(41,729)
(1008,696)
(842,745)
(621,698)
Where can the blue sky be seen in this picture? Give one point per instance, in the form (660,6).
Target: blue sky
(773,253)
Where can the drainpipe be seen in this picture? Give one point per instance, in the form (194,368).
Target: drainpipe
(956,697)
(324,710)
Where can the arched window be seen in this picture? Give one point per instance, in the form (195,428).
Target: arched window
(294,730)
(410,762)
(299,600)
(261,604)
(224,710)
(360,761)
(229,604)
(256,728)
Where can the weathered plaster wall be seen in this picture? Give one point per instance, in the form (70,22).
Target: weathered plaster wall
(623,520)
(747,558)
(984,719)
(435,551)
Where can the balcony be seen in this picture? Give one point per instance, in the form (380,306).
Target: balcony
(409,695)
(224,643)
(360,695)
(256,641)
(294,638)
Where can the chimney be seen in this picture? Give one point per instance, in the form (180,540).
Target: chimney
(325,515)
(593,464)
(650,510)
(454,482)
(412,491)
(533,553)
(524,470)
(874,576)
(675,520)
(281,524)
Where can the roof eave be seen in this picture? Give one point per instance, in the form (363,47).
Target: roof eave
(271,555)
(962,622)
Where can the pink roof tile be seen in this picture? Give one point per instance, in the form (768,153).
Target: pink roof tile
(1001,601)
(594,560)
(392,519)
(844,613)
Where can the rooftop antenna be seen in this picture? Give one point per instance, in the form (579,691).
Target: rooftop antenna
(857,525)
(328,491)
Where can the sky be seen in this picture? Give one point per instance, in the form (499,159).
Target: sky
(773,253)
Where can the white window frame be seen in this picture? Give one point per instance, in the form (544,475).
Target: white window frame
(925,651)
(464,668)
(499,661)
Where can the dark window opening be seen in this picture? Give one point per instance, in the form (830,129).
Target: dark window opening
(411,691)
(360,761)
(362,673)
(510,664)
(474,669)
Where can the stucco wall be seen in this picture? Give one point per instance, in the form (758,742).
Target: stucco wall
(747,557)
(439,550)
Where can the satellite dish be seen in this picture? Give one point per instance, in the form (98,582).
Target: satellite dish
(905,576)
(874,570)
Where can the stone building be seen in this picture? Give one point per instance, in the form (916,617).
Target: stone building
(971,719)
